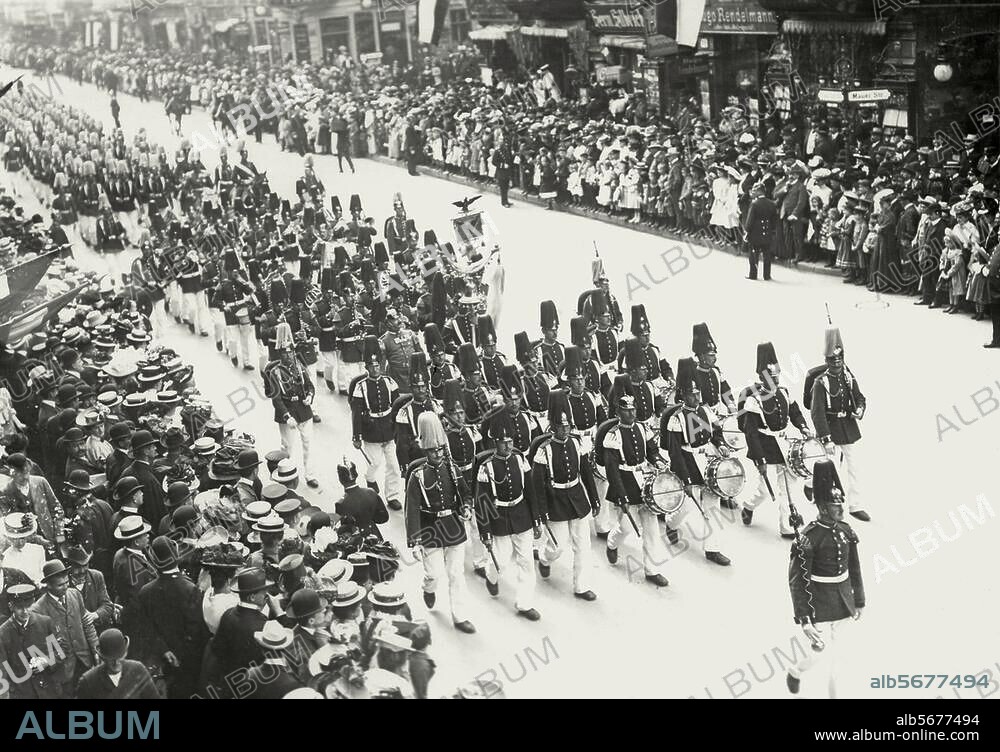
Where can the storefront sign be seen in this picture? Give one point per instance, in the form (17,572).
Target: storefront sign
(392,26)
(868,95)
(658,45)
(371,58)
(613,74)
(737,17)
(832,96)
(620,18)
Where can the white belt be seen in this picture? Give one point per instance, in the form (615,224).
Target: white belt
(607,367)
(838,578)
(509,503)
(632,468)
(776,434)
(445,513)
(537,414)
(382,414)
(564,486)
(464,468)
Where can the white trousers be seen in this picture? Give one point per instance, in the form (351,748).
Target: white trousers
(175,300)
(577,534)
(88,229)
(653,553)
(447,562)
(346,372)
(240,343)
(605,519)
(515,549)
(196,311)
(480,556)
(848,471)
(696,521)
(330,363)
(219,327)
(130,221)
(830,632)
(305,432)
(384,469)
(158,319)
(779,475)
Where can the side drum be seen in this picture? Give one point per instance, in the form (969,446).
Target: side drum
(725,476)
(803,454)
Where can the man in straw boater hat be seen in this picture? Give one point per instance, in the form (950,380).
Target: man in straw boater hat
(372,396)
(271,678)
(630,451)
(131,568)
(563,478)
(507,514)
(836,403)
(766,409)
(116,677)
(24,639)
(437,505)
(291,391)
(824,574)
(690,434)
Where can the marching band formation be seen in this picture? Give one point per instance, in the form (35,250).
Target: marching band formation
(512,455)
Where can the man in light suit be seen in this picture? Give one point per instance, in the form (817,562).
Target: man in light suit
(73,625)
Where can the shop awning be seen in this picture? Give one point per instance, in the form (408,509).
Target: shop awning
(896,119)
(623,41)
(545,31)
(223,26)
(820,26)
(492,33)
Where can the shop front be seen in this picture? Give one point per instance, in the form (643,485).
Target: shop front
(618,52)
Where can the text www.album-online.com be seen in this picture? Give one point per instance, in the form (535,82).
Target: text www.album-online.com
(864,735)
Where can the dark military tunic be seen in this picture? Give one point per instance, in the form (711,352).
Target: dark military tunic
(536,393)
(824,573)
(765,413)
(505,497)
(553,356)
(713,387)
(525,428)
(627,449)
(433,503)
(605,352)
(834,402)
(563,480)
(682,433)
(491,369)
(407,448)
(371,409)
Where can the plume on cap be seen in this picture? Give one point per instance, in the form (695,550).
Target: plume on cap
(283,336)
(430,432)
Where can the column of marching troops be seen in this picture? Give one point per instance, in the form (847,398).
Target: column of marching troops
(512,455)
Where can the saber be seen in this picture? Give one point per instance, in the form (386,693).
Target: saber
(365,454)
(687,490)
(762,469)
(489,547)
(829,320)
(549,531)
(631,519)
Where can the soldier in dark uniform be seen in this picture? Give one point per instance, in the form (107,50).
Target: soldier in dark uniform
(507,514)
(824,574)
(580,335)
(407,409)
(441,369)
(327,310)
(766,409)
(648,402)
(534,385)
(524,426)
(837,405)
(362,506)
(372,396)
(587,411)
(605,350)
(690,434)
(437,503)
(397,227)
(630,451)
(464,328)
(601,298)
(492,361)
(658,371)
(715,390)
(761,224)
(566,495)
(503,161)
(309,186)
(225,181)
(290,390)
(552,352)
(475,401)
(350,332)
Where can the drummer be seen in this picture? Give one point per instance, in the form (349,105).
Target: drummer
(630,456)
(691,435)
(587,411)
(658,371)
(765,412)
(715,391)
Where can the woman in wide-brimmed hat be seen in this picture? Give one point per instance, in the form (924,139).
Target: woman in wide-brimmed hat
(25,555)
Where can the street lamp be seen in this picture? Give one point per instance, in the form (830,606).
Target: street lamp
(943,72)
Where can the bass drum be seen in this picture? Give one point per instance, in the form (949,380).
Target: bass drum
(725,476)
(803,454)
(732,436)
(663,493)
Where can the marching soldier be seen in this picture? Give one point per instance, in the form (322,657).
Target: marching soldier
(566,494)
(690,433)
(399,343)
(580,334)
(408,407)
(464,442)
(630,452)
(765,412)
(507,515)
(715,390)
(524,426)
(534,385)
(475,401)
(600,298)
(372,396)
(464,328)
(587,411)
(327,317)
(224,180)
(605,339)
(290,390)
(397,227)
(658,371)
(824,574)
(648,401)
(552,351)
(837,405)
(236,295)
(441,369)
(309,186)
(111,238)
(492,361)
(437,504)
(350,335)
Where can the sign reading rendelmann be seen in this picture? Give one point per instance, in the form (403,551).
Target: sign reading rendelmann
(737,17)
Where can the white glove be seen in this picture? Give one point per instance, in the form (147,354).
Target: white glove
(291,423)
(417,552)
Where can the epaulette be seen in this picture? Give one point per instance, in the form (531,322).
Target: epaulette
(848,531)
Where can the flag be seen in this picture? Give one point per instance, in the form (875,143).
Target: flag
(680,20)
(18,281)
(431,15)
(37,317)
